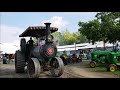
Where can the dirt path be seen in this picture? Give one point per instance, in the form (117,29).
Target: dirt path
(78,70)
(8,71)
(81,69)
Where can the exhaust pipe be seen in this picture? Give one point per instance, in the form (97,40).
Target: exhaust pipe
(47,31)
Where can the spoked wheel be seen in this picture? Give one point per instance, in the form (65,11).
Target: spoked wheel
(113,67)
(33,68)
(92,64)
(57,67)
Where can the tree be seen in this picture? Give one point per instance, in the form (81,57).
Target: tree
(58,36)
(35,41)
(71,38)
(83,39)
(110,26)
(79,38)
(105,28)
(68,38)
(91,30)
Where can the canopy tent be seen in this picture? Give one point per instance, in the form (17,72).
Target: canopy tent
(67,49)
(8,48)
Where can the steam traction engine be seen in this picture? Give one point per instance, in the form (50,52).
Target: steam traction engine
(38,58)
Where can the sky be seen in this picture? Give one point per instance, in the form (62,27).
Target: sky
(12,24)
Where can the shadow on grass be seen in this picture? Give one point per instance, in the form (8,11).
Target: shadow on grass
(99,68)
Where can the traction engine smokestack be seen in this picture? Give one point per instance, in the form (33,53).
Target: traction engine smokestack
(47,31)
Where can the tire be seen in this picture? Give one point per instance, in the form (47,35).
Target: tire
(23,45)
(34,68)
(57,67)
(92,64)
(112,67)
(19,62)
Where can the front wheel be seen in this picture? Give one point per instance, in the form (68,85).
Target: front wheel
(34,68)
(57,67)
(92,64)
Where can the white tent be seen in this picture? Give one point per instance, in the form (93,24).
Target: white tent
(8,48)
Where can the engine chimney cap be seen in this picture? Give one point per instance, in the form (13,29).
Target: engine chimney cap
(47,23)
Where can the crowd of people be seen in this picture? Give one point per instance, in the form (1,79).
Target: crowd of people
(6,58)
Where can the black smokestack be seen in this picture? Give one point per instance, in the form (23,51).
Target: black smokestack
(47,31)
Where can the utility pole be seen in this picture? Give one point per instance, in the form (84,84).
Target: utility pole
(75,47)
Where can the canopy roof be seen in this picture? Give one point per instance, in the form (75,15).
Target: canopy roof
(36,31)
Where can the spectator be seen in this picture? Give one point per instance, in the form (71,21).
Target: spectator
(74,58)
(80,57)
(4,59)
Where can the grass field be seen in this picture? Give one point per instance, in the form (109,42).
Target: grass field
(102,68)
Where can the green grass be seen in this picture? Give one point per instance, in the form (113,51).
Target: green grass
(102,68)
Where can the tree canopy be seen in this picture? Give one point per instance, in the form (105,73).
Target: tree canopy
(106,27)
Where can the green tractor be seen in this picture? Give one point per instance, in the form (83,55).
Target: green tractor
(98,57)
(113,61)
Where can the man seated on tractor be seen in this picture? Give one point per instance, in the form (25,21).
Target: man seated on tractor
(41,41)
(50,39)
(30,45)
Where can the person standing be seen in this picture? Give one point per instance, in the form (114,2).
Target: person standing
(4,59)
(30,42)
(30,45)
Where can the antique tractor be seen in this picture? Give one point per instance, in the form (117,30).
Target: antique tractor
(113,61)
(38,58)
(98,57)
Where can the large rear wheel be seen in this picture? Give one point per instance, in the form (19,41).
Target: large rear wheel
(23,45)
(113,67)
(19,62)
